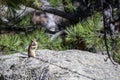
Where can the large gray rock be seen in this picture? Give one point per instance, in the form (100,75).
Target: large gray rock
(58,65)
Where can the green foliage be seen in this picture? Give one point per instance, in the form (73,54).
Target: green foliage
(11,3)
(17,3)
(86,33)
(11,43)
(25,21)
(67,6)
(54,2)
(116,51)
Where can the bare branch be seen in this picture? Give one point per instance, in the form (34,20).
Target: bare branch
(57,12)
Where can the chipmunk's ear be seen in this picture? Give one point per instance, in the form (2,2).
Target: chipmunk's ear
(35,39)
(32,40)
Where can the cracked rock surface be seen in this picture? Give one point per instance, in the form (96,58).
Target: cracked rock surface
(58,65)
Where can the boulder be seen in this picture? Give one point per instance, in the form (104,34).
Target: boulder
(58,65)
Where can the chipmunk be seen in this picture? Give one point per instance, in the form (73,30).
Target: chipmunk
(32,48)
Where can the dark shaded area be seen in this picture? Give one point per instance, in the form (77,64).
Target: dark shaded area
(12,30)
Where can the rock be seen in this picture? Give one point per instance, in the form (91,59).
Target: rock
(1,53)
(58,65)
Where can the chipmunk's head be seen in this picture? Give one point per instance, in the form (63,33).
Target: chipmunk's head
(34,42)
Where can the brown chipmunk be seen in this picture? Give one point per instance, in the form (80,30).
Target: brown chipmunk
(32,48)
